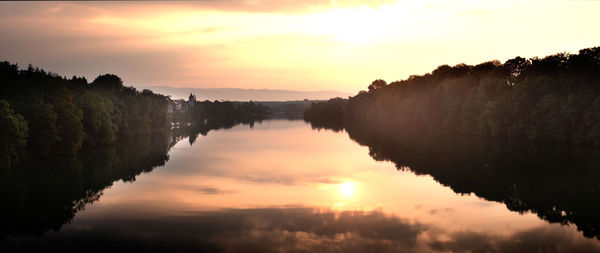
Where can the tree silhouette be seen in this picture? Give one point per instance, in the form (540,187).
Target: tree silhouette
(554,98)
(379,83)
(108,81)
(63,115)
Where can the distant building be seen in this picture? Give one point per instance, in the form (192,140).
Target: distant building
(179,104)
(192,100)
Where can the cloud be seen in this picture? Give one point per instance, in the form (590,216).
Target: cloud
(234,230)
(287,6)
(206,190)
(292,230)
(541,239)
(66,38)
(282,44)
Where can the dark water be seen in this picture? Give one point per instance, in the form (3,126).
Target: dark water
(282,186)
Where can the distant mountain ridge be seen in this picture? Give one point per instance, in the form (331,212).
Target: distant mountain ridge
(236,94)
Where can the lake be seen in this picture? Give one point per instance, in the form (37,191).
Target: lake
(280,185)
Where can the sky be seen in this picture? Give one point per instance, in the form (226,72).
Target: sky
(285,44)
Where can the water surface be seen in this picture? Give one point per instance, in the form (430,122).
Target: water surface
(282,186)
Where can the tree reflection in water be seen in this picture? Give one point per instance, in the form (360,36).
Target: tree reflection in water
(556,182)
(559,183)
(42,195)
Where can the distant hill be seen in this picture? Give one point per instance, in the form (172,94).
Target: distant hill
(234,94)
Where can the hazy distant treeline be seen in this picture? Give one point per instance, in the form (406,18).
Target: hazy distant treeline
(43,114)
(555,98)
(219,114)
(291,110)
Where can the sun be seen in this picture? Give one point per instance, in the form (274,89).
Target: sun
(345,25)
(347,188)
(363,25)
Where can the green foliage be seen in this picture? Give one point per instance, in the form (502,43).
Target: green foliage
(97,118)
(555,98)
(43,135)
(108,81)
(62,115)
(13,132)
(68,123)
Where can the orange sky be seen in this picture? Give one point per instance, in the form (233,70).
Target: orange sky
(299,45)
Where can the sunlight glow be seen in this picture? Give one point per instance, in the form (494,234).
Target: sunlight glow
(347,189)
(339,46)
(365,25)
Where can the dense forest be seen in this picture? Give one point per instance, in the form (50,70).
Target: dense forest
(43,114)
(555,98)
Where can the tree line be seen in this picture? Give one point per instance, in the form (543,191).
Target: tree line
(555,98)
(217,114)
(34,203)
(43,114)
(200,117)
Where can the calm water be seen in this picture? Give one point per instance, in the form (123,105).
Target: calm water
(282,186)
